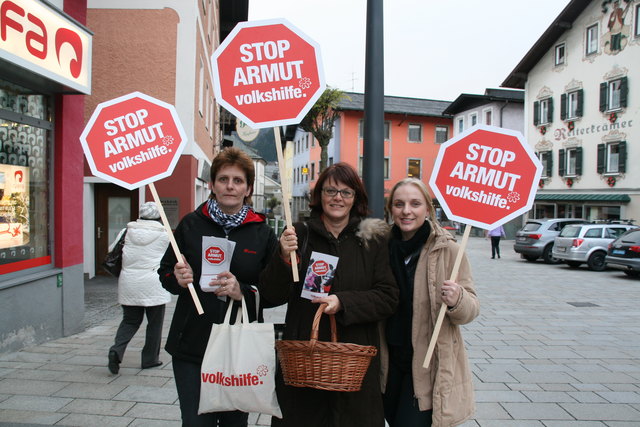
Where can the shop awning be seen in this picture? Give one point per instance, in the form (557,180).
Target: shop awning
(570,197)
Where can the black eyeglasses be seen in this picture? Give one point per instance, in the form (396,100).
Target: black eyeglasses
(332,192)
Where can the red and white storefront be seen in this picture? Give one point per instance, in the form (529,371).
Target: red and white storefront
(45,71)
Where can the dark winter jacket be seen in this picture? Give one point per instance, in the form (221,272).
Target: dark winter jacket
(367,291)
(255,243)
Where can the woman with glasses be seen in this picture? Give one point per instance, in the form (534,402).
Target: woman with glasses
(361,293)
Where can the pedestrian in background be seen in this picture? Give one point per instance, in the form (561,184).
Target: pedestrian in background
(227,214)
(422,255)
(495,235)
(139,289)
(363,292)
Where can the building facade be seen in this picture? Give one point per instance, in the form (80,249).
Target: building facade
(163,49)
(581,112)
(413,131)
(45,70)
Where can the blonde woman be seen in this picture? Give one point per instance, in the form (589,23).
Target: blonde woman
(422,255)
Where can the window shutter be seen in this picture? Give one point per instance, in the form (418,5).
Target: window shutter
(604,86)
(622,161)
(563,106)
(550,164)
(578,161)
(601,157)
(624,89)
(561,161)
(580,101)
(550,116)
(536,113)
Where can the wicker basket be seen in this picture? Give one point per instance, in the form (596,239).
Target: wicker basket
(323,365)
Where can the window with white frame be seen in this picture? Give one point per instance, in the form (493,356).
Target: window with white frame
(592,39)
(385,171)
(612,157)
(442,134)
(560,54)
(613,94)
(473,119)
(636,22)
(571,107)
(488,117)
(460,125)
(543,111)
(414,168)
(387,129)
(545,159)
(201,88)
(570,161)
(415,132)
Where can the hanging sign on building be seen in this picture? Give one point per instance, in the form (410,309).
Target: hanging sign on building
(38,37)
(268,73)
(485,176)
(133,140)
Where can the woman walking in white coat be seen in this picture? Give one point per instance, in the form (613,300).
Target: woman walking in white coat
(139,289)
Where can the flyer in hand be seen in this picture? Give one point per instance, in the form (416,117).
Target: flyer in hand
(216,258)
(320,273)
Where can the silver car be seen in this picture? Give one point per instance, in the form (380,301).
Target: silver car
(588,243)
(535,239)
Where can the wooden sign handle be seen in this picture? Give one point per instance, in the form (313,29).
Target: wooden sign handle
(443,307)
(285,198)
(174,245)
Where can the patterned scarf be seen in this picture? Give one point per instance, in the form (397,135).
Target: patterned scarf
(227,222)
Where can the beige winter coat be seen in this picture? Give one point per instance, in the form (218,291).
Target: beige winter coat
(452,400)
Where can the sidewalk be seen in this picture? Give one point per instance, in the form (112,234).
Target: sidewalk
(553,347)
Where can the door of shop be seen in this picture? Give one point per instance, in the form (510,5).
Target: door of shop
(115,207)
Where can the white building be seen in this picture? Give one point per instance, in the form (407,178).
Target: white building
(581,115)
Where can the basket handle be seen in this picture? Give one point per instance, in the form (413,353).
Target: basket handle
(316,324)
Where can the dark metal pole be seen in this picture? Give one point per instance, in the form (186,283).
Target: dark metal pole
(373,156)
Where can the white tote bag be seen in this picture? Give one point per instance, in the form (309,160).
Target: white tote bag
(239,368)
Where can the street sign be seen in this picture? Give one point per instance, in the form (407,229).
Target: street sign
(133,140)
(485,176)
(267,73)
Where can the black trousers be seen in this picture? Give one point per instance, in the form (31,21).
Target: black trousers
(132,316)
(495,246)
(187,377)
(400,406)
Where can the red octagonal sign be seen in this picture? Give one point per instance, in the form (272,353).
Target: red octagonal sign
(268,73)
(133,140)
(485,176)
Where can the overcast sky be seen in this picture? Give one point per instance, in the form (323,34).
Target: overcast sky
(433,49)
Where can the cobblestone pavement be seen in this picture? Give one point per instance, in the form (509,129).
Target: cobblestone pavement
(553,347)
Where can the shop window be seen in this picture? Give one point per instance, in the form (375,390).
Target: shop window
(543,111)
(612,157)
(24,179)
(442,134)
(560,54)
(546,159)
(414,168)
(415,132)
(571,105)
(570,162)
(592,40)
(613,94)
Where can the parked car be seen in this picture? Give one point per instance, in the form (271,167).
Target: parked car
(588,243)
(535,239)
(624,252)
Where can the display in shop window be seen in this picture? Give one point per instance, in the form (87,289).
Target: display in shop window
(14,206)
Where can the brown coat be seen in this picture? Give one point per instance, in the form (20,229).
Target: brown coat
(452,400)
